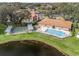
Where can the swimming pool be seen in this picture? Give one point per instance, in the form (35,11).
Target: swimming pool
(56,33)
(19,29)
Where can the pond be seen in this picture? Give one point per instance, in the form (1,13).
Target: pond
(28,48)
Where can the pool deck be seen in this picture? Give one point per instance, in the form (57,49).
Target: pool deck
(67,33)
(20,30)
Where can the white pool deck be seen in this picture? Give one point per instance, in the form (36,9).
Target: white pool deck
(42,30)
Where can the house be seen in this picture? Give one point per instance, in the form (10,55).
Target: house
(59,23)
(24,27)
(34,15)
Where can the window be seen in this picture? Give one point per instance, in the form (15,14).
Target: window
(53,27)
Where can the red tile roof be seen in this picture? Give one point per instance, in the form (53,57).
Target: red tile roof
(56,22)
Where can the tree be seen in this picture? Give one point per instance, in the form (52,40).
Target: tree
(6,11)
(73,27)
(73,30)
(22,15)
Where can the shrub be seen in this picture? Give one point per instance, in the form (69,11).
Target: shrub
(2,28)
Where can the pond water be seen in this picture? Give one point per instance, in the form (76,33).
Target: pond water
(28,48)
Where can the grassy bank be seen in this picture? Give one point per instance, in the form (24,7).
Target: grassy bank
(69,46)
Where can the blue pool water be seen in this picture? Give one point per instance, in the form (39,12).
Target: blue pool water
(55,32)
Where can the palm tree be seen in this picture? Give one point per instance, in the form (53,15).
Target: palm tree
(74,27)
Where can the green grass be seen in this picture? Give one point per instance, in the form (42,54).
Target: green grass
(69,46)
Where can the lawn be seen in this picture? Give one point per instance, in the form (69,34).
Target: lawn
(69,46)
